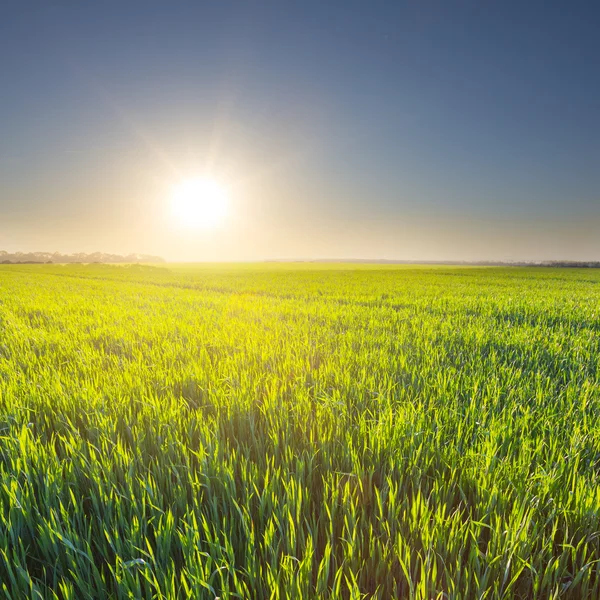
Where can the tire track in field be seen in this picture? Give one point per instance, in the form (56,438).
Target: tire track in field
(231,291)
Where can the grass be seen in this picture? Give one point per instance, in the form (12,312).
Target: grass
(299,431)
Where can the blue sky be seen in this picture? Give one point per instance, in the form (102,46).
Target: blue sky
(409,130)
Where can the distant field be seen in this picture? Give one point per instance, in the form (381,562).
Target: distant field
(299,431)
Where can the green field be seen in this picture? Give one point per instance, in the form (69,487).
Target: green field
(299,431)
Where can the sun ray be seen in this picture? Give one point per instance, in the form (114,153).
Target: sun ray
(199,203)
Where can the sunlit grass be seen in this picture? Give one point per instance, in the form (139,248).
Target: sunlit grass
(281,431)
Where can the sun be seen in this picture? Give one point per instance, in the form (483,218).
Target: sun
(199,203)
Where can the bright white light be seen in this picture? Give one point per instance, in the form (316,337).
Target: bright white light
(199,203)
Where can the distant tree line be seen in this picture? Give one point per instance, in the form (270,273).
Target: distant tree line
(80,257)
(573,264)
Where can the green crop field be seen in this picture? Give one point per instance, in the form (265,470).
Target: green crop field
(299,431)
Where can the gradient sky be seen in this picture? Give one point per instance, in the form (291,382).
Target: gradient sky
(407,130)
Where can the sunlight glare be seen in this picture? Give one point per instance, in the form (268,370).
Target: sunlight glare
(199,203)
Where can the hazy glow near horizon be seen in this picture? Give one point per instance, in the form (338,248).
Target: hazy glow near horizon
(200,203)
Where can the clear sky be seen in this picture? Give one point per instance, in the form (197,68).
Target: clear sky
(407,130)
